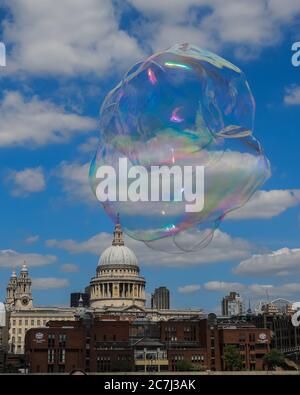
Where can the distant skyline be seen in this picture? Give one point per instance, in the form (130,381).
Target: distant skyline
(61,62)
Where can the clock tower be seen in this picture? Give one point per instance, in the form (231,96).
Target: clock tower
(10,290)
(23,295)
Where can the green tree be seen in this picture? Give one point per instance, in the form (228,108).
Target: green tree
(199,368)
(274,358)
(232,358)
(184,366)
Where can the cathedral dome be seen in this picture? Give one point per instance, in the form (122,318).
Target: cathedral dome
(118,255)
(117,283)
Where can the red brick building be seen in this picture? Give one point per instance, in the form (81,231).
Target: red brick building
(115,345)
(253,343)
(65,346)
(195,341)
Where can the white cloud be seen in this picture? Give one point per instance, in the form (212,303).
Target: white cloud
(210,24)
(72,37)
(282,262)
(33,122)
(32,239)
(89,146)
(262,205)
(254,290)
(292,95)
(77,37)
(284,10)
(221,176)
(187,289)
(222,248)
(45,283)
(283,290)
(27,181)
(223,286)
(267,204)
(158,8)
(13,259)
(95,245)
(74,178)
(69,268)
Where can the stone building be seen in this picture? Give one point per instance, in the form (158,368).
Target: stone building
(118,290)
(3,336)
(117,282)
(22,313)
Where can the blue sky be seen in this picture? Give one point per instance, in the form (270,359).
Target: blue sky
(61,62)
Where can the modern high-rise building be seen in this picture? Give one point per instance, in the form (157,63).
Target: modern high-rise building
(160,299)
(232,304)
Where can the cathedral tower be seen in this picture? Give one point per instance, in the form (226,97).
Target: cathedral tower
(23,295)
(11,289)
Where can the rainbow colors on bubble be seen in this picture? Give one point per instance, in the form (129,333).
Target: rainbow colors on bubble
(187,107)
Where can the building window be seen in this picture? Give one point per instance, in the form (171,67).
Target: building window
(14,322)
(51,340)
(20,322)
(242,338)
(38,322)
(62,356)
(252,337)
(32,322)
(26,322)
(20,331)
(62,340)
(50,355)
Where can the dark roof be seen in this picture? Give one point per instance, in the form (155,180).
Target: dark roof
(147,341)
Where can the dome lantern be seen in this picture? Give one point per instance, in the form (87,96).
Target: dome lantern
(118,233)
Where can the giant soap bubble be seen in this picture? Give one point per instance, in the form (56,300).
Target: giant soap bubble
(183,107)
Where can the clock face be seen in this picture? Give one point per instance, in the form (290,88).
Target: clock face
(25,301)
(262,336)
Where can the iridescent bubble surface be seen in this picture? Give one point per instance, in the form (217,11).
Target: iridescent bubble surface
(186,107)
